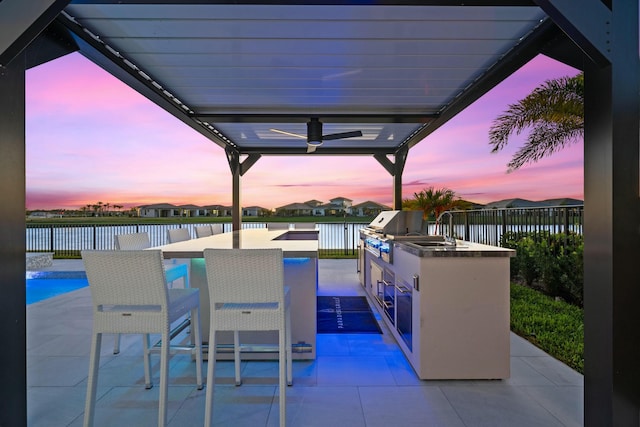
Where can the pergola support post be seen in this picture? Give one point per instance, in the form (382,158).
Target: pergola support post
(395,170)
(237,170)
(612,227)
(607,33)
(13,368)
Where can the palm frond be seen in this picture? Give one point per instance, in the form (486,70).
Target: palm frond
(554,112)
(544,140)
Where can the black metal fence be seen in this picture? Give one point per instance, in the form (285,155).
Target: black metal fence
(335,239)
(487,226)
(67,240)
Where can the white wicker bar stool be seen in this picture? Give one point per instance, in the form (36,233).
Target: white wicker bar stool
(203,231)
(129,295)
(138,241)
(247,293)
(175,235)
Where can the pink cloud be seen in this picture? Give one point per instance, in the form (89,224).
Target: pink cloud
(90,138)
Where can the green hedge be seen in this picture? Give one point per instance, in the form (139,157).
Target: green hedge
(550,262)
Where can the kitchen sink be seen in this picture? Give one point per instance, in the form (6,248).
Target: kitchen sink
(429,242)
(432,243)
(298,235)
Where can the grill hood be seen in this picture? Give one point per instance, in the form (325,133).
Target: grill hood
(397,223)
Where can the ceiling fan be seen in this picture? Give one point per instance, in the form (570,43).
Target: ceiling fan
(314,134)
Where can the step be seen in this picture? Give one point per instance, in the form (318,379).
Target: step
(38,260)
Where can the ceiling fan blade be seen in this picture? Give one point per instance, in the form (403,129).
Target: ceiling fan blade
(314,135)
(288,133)
(352,134)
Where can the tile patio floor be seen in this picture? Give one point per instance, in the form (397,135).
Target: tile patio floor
(356,380)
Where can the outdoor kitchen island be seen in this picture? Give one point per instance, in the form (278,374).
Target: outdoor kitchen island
(445,301)
(300,250)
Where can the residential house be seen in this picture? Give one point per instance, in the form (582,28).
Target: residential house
(217,210)
(159,210)
(368,208)
(192,211)
(43,214)
(316,206)
(255,211)
(511,203)
(295,209)
(566,201)
(522,203)
(338,206)
(313,203)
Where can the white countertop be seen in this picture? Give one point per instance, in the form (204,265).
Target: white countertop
(462,249)
(257,238)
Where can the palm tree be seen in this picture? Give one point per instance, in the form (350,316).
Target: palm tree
(433,202)
(554,112)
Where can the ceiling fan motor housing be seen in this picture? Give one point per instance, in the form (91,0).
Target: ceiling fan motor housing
(314,131)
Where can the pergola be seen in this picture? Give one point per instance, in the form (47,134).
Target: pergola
(334,78)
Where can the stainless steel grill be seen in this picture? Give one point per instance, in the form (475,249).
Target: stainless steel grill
(396,223)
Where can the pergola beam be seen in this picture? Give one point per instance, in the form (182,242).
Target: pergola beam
(587,22)
(24,21)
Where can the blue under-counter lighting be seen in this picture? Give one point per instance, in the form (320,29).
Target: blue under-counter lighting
(197,261)
(292,261)
(296,260)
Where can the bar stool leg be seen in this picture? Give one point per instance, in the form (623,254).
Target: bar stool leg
(236,356)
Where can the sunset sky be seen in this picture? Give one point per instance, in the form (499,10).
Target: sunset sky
(90,138)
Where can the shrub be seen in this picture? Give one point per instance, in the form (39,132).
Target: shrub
(510,240)
(528,260)
(552,262)
(562,267)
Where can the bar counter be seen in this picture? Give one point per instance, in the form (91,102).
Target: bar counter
(300,250)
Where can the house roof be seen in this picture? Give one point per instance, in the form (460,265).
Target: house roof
(216,207)
(566,201)
(511,203)
(523,203)
(370,204)
(346,199)
(159,206)
(293,206)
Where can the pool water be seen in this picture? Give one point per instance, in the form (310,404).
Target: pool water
(45,285)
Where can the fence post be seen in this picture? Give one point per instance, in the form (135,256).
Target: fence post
(346,237)
(503,214)
(496,223)
(565,212)
(466,226)
(51,238)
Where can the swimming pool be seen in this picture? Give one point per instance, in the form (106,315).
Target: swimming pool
(47,284)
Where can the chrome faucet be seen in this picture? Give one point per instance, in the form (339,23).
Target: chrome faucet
(450,222)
